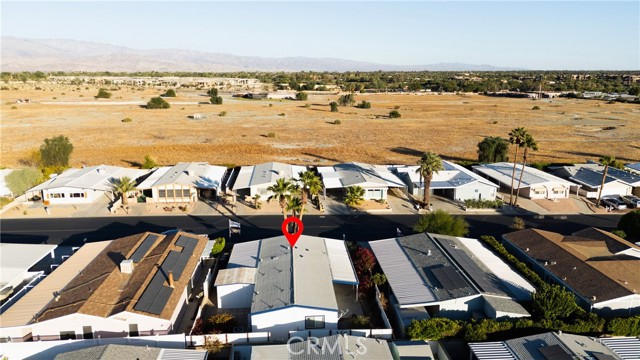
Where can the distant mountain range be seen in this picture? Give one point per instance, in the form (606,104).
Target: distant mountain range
(70,55)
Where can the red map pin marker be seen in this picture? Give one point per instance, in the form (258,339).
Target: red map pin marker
(292,238)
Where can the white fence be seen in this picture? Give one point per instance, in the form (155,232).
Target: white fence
(239,338)
(386,334)
(49,349)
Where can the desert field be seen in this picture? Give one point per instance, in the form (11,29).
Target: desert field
(567,130)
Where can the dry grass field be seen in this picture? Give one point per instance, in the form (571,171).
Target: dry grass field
(451,125)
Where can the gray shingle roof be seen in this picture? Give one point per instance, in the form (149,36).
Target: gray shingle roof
(111,352)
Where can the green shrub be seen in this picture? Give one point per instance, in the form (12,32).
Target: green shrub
(281,114)
(360,322)
(478,331)
(337,122)
(149,162)
(619,233)
(624,326)
(302,96)
(364,105)
(483,204)
(394,114)
(630,223)
(103,94)
(126,120)
(216,100)
(271,135)
(517,224)
(218,246)
(222,113)
(14,107)
(21,180)
(346,100)
(170,93)
(433,329)
(553,302)
(334,106)
(158,103)
(535,107)
(212,92)
(441,222)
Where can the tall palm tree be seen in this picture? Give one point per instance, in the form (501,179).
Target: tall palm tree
(294,205)
(122,187)
(282,192)
(528,143)
(354,196)
(428,164)
(606,161)
(516,137)
(311,185)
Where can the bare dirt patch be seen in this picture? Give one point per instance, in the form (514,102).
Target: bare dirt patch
(451,125)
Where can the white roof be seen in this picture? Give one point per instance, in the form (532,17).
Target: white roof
(15,259)
(342,270)
(520,288)
(22,312)
(244,254)
(238,275)
(502,171)
(452,176)
(360,174)
(4,190)
(198,174)
(91,177)
(266,174)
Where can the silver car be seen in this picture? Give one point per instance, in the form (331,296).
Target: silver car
(632,201)
(615,202)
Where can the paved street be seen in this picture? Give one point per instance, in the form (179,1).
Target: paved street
(73,231)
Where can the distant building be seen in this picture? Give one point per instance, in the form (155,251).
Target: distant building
(83,186)
(599,267)
(451,277)
(454,182)
(376,180)
(183,182)
(589,175)
(556,346)
(287,289)
(536,184)
(137,285)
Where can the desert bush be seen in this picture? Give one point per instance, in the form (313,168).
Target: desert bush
(126,120)
(483,204)
(624,326)
(394,114)
(222,113)
(56,151)
(302,96)
(103,94)
(19,181)
(169,93)
(271,135)
(337,122)
(281,114)
(216,100)
(148,163)
(517,224)
(535,107)
(334,106)
(212,92)
(364,105)
(158,103)
(433,329)
(441,222)
(346,100)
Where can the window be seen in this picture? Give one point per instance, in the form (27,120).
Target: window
(133,330)
(77,195)
(314,322)
(186,193)
(57,195)
(87,332)
(66,335)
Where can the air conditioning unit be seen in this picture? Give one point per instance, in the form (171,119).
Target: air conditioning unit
(126,266)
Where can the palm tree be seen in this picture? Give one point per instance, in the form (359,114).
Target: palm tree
(256,200)
(516,137)
(606,161)
(122,187)
(528,143)
(282,192)
(311,185)
(354,196)
(294,205)
(428,164)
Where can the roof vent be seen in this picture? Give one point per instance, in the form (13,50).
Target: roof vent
(190,173)
(546,263)
(593,298)
(527,249)
(126,266)
(553,263)
(429,252)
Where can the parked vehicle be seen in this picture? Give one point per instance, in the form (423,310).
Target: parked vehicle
(632,201)
(615,202)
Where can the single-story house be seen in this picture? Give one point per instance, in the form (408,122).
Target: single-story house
(83,186)
(183,182)
(137,285)
(633,167)
(287,289)
(536,184)
(550,345)
(599,267)
(450,277)
(4,189)
(16,276)
(122,352)
(591,181)
(254,180)
(335,347)
(454,182)
(374,179)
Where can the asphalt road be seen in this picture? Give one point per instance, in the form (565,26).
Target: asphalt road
(74,231)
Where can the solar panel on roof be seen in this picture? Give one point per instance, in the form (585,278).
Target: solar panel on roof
(449,278)
(142,250)
(555,352)
(600,356)
(160,300)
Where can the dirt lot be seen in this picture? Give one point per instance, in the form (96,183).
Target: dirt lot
(451,125)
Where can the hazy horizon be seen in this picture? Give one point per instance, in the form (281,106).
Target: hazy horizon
(533,35)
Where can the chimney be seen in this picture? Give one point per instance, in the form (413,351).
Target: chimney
(126,266)
(171,285)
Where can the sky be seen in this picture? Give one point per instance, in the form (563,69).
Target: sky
(536,35)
